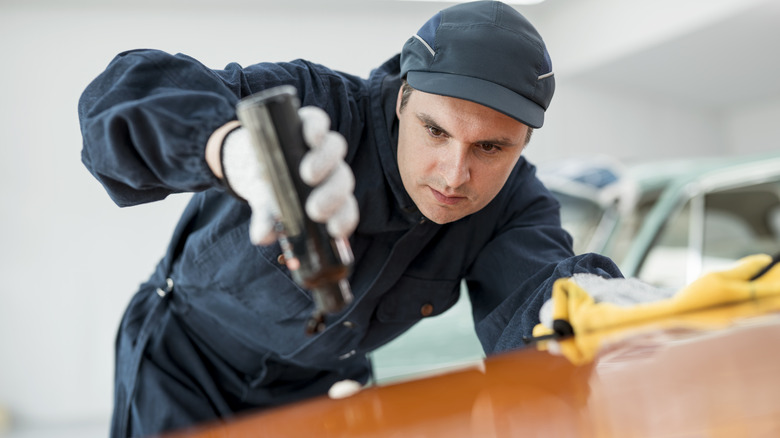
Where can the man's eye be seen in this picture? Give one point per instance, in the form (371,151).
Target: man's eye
(434,131)
(489,148)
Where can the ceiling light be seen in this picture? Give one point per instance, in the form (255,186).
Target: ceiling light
(511,2)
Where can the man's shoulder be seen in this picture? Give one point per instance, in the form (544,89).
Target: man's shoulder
(522,188)
(523,173)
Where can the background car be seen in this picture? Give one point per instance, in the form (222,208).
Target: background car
(666,223)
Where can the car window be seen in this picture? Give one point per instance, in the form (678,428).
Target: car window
(774,220)
(666,263)
(732,224)
(740,222)
(581,218)
(629,224)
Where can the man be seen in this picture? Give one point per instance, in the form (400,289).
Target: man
(434,140)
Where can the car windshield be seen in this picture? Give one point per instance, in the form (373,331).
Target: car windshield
(581,218)
(709,218)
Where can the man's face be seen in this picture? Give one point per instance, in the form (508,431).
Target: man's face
(454,155)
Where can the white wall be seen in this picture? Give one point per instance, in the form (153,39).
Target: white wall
(71,259)
(590,119)
(584,34)
(754,128)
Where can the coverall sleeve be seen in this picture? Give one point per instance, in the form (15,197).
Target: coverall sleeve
(514,273)
(146,119)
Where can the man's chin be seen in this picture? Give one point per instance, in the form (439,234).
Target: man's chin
(442,216)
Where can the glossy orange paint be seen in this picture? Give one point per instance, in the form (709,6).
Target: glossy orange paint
(715,373)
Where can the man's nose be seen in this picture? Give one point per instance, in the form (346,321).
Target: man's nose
(454,166)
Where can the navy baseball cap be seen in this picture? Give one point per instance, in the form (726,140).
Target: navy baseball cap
(484,52)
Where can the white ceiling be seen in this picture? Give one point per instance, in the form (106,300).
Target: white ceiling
(719,54)
(708,53)
(711,54)
(729,62)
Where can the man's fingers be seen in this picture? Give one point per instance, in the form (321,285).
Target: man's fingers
(322,159)
(316,124)
(328,197)
(345,219)
(265,210)
(261,229)
(748,266)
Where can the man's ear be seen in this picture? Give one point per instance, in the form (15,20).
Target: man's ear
(398,102)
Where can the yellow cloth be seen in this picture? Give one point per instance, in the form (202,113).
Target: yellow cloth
(583,349)
(573,304)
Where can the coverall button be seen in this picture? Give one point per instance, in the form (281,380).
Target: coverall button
(426,309)
(348,324)
(347,355)
(281,260)
(163,291)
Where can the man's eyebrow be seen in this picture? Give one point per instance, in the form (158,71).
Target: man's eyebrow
(429,120)
(501,141)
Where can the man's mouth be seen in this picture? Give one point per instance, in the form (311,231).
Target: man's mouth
(444,199)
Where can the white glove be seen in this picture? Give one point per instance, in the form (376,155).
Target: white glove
(619,291)
(344,389)
(331,201)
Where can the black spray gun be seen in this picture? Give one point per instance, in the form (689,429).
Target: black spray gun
(318,262)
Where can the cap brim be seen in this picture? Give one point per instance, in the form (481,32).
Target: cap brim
(479,91)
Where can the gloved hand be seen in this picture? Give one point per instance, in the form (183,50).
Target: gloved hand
(623,292)
(589,304)
(323,167)
(733,285)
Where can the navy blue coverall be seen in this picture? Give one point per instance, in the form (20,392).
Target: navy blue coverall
(219,327)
